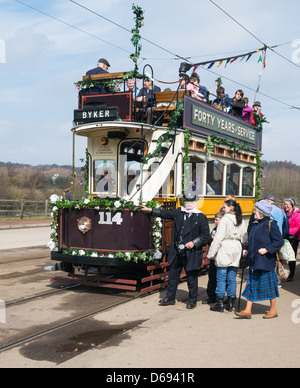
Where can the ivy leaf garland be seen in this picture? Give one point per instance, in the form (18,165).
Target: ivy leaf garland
(115,85)
(136,37)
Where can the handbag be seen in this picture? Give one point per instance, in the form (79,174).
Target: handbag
(286,252)
(283,268)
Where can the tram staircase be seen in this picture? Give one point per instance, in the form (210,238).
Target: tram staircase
(157,170)
(154,174)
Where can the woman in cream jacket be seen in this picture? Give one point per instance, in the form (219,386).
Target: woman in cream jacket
(226,248)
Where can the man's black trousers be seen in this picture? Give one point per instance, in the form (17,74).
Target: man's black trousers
(174,277)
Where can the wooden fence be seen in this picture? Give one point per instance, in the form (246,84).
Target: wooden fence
(23,208)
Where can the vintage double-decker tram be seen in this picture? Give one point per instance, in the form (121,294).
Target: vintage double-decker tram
(102,240)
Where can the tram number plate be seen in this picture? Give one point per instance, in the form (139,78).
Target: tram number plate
(107,219)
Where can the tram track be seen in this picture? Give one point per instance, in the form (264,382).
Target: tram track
(43,324)
(29,298)
(63,325)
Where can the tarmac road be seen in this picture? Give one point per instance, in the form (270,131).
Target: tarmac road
(173,337)
(23,237)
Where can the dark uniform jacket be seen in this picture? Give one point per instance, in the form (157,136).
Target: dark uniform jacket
(195,229)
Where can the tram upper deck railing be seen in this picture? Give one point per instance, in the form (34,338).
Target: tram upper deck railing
(201,118)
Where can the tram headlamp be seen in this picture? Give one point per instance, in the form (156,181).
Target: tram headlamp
(84,224)
(104,141)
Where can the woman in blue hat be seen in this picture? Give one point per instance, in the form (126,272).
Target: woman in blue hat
(264,240)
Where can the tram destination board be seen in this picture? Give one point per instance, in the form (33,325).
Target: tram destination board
(202,118)
(91,115)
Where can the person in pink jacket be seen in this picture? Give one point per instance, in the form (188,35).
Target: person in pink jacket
(293,216)
(247,111)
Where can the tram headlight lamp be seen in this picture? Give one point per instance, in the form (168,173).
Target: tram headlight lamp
(84,225)
(104,141)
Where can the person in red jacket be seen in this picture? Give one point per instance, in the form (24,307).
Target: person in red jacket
(293,216)
(256,111)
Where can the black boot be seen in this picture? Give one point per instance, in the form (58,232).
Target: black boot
(219,307)
(230,303)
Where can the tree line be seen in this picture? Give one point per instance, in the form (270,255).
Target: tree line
(282,179)
(36,183)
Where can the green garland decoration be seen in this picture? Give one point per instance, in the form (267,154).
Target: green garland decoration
(136,37)
(58,203)
(84,177)
(259,121)
(186,160)
(115,85)
(211,140)
(259,175)
(167,137)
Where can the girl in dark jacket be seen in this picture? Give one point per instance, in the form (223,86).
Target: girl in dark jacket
(264,240)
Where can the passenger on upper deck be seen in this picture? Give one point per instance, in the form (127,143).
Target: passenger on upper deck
(238,104)
(198,91)
(102,67)
(184,81)
(247,111)
(131,87)
(223,101)
(256,111)
(147,92)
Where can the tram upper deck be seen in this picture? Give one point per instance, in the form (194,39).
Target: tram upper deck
(192,145)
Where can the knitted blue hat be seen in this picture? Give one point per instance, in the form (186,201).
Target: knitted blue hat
(264,206)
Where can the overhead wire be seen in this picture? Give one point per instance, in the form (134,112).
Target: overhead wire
(254,36)
(126,29)
(177,56)
(71,25)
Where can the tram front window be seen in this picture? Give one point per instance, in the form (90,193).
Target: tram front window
(195,171)
(105,176)
(131,154)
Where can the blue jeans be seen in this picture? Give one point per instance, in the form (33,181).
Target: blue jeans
(226,275)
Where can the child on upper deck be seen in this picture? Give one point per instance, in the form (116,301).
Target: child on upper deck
(238,104)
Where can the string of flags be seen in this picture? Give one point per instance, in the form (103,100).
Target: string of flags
(230,60)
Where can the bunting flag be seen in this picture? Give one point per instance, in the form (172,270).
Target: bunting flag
(231,60)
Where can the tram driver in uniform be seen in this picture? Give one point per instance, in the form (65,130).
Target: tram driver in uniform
(190,233)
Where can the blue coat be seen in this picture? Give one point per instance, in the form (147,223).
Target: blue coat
(96,70)
(261,237)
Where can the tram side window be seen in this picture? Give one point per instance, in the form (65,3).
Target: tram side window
(168,188)
(131,154)
(215,171)
(105,176)
(248,182)
(233,179)
(195,171)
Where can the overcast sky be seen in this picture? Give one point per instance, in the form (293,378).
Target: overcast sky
(41,58)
